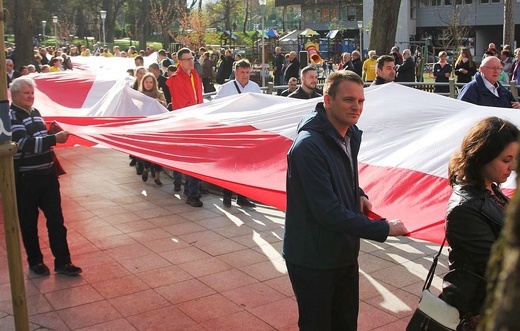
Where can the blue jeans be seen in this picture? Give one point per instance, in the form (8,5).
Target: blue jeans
(191,187)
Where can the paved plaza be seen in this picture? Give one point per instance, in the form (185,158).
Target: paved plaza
(152,262)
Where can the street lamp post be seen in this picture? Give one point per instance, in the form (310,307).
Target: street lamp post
(103,14)
(263,4)
(43,28)
(55,21)
(360,27)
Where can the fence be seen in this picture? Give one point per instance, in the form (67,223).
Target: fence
(428,87)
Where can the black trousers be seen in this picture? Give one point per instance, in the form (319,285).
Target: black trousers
(328,300)
(34,192)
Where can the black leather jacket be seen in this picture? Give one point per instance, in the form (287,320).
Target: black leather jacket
(473,224)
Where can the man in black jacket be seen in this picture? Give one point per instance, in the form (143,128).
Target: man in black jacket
(385,70)
(293,69)
(406,70)
(278,68)
(308,88)
(324,217)
(357,62)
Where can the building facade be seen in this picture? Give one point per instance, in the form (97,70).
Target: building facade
(432,23)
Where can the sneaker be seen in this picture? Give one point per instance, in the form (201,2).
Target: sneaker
(40,269)
(144,175)
(245,203)
(177,188)
(68,269)
(194,202)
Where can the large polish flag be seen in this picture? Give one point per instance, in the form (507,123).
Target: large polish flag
(241,142)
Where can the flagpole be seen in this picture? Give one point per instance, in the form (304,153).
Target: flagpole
(8,192)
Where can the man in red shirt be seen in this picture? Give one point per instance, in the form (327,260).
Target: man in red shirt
(186,90)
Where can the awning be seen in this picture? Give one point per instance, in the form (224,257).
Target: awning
(272,33)
(332,34)
(229,34)
(309,33)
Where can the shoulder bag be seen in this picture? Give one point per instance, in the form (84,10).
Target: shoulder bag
(433,313)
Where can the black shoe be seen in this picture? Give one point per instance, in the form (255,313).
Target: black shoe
(194,202)
(133,162)
(177,188)
(245,203)
(158,182)
(144,176)
(40,269)
(226,201)
(139,170)
(68,269)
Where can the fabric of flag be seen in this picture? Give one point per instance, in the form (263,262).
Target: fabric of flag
(241,142)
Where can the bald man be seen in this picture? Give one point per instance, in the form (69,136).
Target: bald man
(485,90)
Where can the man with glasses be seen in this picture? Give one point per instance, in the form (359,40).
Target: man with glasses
(186,90)
(485,90)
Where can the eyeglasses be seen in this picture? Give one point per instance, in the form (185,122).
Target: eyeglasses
(495,68)
(187,59)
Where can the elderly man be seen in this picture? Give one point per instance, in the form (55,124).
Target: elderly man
(485,90)
(292,86)
(346,63)
(406,70)
(37,185)
(278,67)
(293,69)
(308,88)
(385,70)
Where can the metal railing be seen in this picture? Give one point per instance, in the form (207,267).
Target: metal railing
(424,86)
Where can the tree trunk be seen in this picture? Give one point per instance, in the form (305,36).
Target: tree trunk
(246,16)
(384,25)
(22,35)
(509,22)
(143,18)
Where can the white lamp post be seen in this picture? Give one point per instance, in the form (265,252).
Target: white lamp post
(263,4)
(103,14)
(55,21)
(360,27)
(43,28)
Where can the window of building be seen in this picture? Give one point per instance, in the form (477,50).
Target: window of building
(308,18)
(413,10)
(496,1)
(436,2)
(324,15)
(484,1)
(425,3)
(468,2)
(333,14)
(447,2)
(351,13)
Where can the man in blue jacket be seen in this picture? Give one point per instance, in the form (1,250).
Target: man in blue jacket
(324,218)
(485,90)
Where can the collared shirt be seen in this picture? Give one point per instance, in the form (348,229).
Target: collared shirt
(230,88)
(491,87)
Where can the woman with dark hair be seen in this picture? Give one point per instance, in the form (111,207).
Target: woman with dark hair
(475,213)
(465,68)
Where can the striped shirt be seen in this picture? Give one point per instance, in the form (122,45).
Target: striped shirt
(35,145)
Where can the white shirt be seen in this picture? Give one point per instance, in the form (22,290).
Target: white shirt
(229,88)
(491,87)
